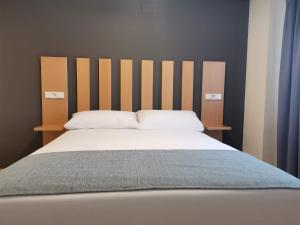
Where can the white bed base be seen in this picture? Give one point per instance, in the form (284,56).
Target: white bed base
(177,207)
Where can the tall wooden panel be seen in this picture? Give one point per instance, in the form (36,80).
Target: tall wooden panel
(54,79)
(83,84)
(213,79)
(147,84)
(126,85)
(105,84)
(167,85)
(187,85)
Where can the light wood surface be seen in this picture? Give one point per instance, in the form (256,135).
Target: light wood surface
(49,128)
(167,85)
(216,134)
(126,84)
(218,128)
(187,85)
(54,78)
(49,136)
(105,84)
(83,84)
(147,84)
(213,80)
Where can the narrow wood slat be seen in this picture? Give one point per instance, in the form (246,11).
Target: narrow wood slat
(126,85)
(213,79)
(105,84)
(147,84)
(83,84)
(167,85)
(187,85)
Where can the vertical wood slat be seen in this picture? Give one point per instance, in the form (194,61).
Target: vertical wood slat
(126,84)
(105,84)
(54,78)
(167,85)
(147,84)
(83,84)
(187,85)
(213,80)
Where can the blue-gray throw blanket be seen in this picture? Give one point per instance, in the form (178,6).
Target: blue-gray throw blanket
(107,171)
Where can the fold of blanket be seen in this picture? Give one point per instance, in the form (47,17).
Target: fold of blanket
(108,171)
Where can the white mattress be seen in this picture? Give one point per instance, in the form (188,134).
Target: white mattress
(168,207)
(132,139)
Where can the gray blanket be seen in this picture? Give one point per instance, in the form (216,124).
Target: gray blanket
(107,171)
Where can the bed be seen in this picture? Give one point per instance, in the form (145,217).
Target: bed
(122,168)
(180,206)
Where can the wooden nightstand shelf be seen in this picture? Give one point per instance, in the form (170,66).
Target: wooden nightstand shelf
(50,132)
(216,128)
(216,131)
(49,128)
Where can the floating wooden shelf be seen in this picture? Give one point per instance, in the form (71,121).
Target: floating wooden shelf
(49,128)
(221,128)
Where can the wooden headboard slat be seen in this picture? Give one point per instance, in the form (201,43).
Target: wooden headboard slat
(167,85)
(54,79)
(213,79)
(187,85)
(105,84)
(147,84)
(126,84)
(83,78)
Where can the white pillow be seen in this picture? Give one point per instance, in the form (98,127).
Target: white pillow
(102,119)
(169,119)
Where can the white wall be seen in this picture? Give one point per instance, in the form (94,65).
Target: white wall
(266,18)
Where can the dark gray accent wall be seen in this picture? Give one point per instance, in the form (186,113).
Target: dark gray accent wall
(162,29)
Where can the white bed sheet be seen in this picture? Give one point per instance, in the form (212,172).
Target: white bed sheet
(132,139)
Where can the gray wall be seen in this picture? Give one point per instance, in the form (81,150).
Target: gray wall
(172,29)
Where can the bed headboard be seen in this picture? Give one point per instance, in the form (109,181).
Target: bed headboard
(83,82)
(55,86)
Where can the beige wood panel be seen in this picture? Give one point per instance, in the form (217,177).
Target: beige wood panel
(49,128)
(126,85)
(83,84)
(167,85)
(187,85)
(54,78)
(213,81)
(49,136)
(221,128)
(105,84)
(216,134)
(147,84)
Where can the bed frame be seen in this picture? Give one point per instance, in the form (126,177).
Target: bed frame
(54,85)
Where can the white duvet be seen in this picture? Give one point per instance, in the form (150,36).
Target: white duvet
(132,139)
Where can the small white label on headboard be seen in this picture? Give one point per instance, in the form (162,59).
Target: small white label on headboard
(54,94)
(213,96)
